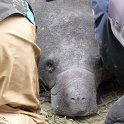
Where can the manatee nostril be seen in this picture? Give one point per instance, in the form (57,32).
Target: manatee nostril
(73,99)
(83,99)
(49,0)
(78,99)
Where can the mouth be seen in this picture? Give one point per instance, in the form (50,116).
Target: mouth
(78,113)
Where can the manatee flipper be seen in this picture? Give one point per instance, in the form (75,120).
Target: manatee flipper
(115,114)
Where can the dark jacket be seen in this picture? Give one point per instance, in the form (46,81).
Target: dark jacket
(111,49)
(8,7)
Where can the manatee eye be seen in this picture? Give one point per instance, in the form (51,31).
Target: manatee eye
(49,66)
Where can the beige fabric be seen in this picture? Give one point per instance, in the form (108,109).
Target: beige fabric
(9,118)
(19,55)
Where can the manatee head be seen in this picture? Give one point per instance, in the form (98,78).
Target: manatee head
(73,87)
(74,93)
(69,55)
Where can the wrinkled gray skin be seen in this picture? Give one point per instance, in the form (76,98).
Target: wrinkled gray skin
(115,114)
(70,55)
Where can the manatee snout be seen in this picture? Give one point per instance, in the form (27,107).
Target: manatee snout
(74,93)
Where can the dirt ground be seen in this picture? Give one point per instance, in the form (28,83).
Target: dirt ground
(107,95)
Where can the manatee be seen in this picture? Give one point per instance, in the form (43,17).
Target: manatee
(116,112)
(70,62)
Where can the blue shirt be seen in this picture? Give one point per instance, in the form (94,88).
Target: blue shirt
(30,14)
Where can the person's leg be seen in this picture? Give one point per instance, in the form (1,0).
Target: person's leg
(9,118)
(100,11)
(19,55)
